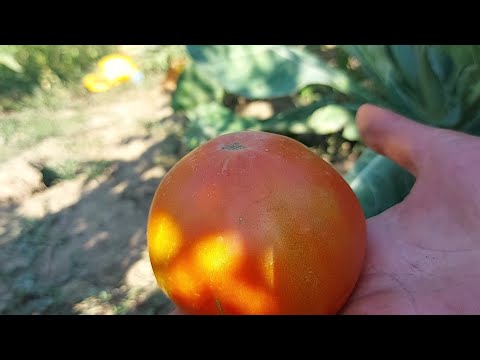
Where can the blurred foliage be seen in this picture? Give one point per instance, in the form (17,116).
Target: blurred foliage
(436,85)
(156,58)
(25,68)
(195,88)
(28,73)
(208,120)
(39,78)
(257,72)
(266,72)
(378,182)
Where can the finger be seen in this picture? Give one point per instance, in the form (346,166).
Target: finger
(394,136)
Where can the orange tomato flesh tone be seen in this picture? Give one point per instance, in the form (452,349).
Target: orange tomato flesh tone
(255,223)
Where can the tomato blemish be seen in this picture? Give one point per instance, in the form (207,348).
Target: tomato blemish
(233,146)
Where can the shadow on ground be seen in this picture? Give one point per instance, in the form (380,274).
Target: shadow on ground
(90,257)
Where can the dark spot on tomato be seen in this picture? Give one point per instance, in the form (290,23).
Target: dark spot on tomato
(233,146)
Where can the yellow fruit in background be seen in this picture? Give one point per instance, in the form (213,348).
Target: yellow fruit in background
(117,68)
(112,70)
(95,83)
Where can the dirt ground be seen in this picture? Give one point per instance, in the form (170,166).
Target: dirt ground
(79,245)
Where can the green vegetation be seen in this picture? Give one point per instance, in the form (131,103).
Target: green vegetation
(27,70)
(38,75)
(36,80)
(436,85)
(323,85)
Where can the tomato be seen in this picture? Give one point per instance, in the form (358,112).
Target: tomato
(255,223)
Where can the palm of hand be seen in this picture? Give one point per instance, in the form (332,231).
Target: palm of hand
(423,255)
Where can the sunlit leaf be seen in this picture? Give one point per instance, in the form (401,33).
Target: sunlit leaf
(378,182)
(267,71)
(195,88)
(330,119)
(295,120)
(9,61)
(350,131)
(207,121)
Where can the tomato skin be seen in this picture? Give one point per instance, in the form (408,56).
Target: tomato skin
(255,223)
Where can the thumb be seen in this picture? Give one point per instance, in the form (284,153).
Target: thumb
(394,136)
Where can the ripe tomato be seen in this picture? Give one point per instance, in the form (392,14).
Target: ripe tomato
(255,223)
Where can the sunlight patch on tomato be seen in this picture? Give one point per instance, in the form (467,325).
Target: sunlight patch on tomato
(186,284)
(218,255)
(217,260)
(246,299)
(166,238)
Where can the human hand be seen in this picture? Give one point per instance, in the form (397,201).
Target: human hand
(423,255)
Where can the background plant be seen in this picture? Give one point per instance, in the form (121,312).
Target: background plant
(436,85)
(25,69)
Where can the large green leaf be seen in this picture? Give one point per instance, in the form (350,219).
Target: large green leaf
(433,84)
(268,71)
(403,56)
(350,131)
(207,121)
(293,120)
(210,120)
(472,127)
(330,119)
(462,54)
(195,88)
(9,61)
(374,60)
(378,182)
(321,117)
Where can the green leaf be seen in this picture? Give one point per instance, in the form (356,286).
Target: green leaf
(442,65)
(350,131)
(462,55)
(207,121)
(403,56)
(294,120)
(195,88)
(472,127)
(374,60)
(9,61)
(329,119)
(321,117)
(268,71)
(378,182)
